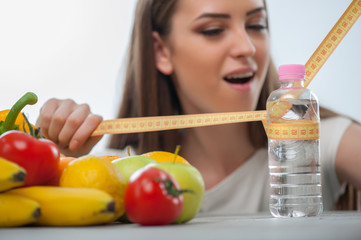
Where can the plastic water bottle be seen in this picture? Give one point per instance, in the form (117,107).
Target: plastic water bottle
(294,165)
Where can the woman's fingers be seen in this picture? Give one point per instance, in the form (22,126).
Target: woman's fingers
(83,133)
(60,117)
(46,113)
(73,121)
(70,125)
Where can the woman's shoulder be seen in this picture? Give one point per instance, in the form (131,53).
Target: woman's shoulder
(336,119)
(334,125)
(331,131)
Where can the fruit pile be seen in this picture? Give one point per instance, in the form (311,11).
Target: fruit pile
(38,186)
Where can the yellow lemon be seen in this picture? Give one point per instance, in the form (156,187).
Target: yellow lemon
(95,172)
(162,156)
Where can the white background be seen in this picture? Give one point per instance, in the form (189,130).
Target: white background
(76,49)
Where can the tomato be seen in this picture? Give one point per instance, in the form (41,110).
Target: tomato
(152,197)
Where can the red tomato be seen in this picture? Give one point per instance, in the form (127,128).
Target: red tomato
(152,197)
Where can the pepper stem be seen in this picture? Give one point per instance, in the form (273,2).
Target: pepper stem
(29,98)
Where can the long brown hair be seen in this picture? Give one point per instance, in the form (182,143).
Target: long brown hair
(148,92)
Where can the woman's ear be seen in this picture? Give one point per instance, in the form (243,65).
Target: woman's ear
(162,55)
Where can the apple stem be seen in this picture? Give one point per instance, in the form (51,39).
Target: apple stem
(128,151)
(176,153)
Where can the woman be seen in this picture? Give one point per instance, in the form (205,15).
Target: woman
(204,56)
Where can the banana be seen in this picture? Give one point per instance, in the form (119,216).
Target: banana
(62,206)
(17,210)
(11,175)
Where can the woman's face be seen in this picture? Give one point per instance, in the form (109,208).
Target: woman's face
(219,54)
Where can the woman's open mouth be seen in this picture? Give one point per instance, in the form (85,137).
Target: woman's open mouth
(240,81)
(239,78)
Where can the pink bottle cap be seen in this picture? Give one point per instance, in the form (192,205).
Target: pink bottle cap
(291,71)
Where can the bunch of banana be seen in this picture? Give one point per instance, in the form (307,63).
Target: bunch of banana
(70,206)
(17,210)
(55,206)
(11,175)
(52,206)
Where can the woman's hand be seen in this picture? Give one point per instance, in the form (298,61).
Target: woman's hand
(69,125)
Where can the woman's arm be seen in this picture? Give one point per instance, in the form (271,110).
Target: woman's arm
(348,158)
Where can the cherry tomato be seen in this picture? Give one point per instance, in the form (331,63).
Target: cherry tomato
(152,197)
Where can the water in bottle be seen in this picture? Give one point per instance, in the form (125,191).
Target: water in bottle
(294,165)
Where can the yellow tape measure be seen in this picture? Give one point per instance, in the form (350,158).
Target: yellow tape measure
(149,124)
(305,131)
(274,131)
(331,41)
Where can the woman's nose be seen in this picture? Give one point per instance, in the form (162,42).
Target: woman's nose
(242,45)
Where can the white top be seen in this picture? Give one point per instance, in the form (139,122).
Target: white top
(246,190)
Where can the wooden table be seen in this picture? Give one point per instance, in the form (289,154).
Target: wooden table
(330,225)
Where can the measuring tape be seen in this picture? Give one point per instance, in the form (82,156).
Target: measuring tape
(149,124)
(331,41)
(306,130)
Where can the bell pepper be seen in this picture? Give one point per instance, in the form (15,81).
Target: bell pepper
(40,157)
(21,123)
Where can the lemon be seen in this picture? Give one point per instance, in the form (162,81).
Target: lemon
(95,172)
(162,156)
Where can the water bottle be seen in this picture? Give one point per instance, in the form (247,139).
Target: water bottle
(294,165)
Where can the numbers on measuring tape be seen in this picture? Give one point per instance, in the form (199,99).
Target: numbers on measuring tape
(147,124)
(305,131)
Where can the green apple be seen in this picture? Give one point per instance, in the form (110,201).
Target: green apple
(128,165)
(189,178)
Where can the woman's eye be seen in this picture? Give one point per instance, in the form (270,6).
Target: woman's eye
(257,27)
(212,32)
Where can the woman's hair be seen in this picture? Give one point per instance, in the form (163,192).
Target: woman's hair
(148,92)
